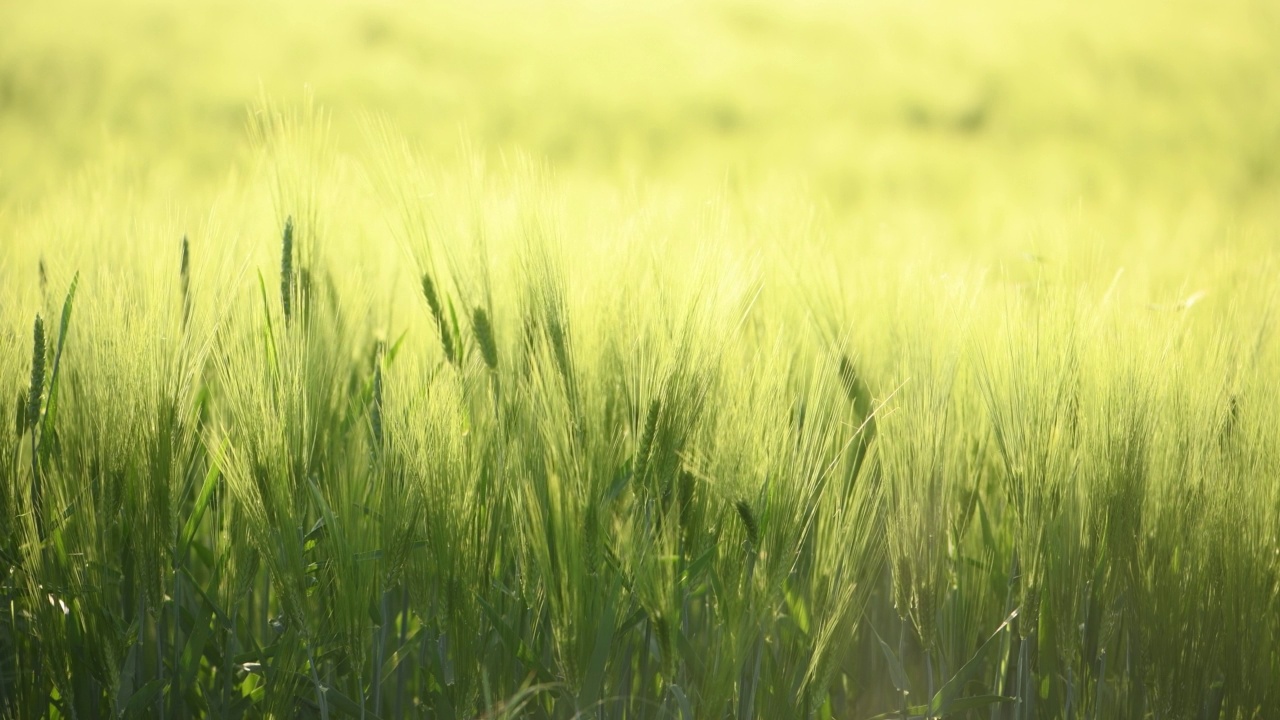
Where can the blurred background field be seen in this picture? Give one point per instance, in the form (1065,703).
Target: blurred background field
(877,105)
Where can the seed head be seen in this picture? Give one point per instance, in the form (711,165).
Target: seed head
(647,440)
(21,414)
(484,336)
(37,374)
(286,269)
(749,524)
(433,302)
(186,280)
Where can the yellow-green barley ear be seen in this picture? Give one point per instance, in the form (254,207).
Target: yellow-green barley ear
(286,270)
(484,336)
(33,419)
(437,313)
(37,374)
(21,425)
(855,388)
(749,524)
(647,439)
(186,281)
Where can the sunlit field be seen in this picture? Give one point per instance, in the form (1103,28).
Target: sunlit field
(599,359)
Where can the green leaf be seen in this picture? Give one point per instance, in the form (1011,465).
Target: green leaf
(513,642)
(945,700)
(1046,639)
(395,348)
(141,701)
(197,511)
(345,704)
(593,685)
(896,673)
(51,409)
(916,712)
(272,361)
(686,712)
(194,651)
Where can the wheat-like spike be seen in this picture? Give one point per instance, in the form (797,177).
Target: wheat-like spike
(33,419)
(433,302)
(44,277)
(21,425)
(484,336)
(186,281)
(286,269)
(37,373)
(647,439)
(854,386)
(749,524)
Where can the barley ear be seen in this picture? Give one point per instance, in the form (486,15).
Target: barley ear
(749,524)
(33,420)
(647,440)
(186,281)
(433,302)
(484,336)
(21,425)
(37,374)
(286,270)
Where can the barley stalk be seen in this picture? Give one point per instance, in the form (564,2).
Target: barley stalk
(33,419)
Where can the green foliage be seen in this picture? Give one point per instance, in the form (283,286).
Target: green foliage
(838,364)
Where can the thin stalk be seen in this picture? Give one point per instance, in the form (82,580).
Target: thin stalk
(902,646)
(404,637)
(928,675)
(1102,676)
(315,679)
(380,646)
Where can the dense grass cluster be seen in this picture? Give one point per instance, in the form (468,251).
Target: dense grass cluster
(471,462)
(744,360)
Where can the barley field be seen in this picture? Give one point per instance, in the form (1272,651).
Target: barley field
(590,359)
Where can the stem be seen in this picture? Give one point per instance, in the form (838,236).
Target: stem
(404,636)
(1021,703)
(902,644)
(1102,675)
(315,678)
(928,676)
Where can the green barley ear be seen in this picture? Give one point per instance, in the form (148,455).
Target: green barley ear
(902,588)
(21,426)
(186,281)
(646,440)
(44,278)
(33,420)
(749,524)
(37,374)
(855,387)
(286,269)
(484,336)
(433,302)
